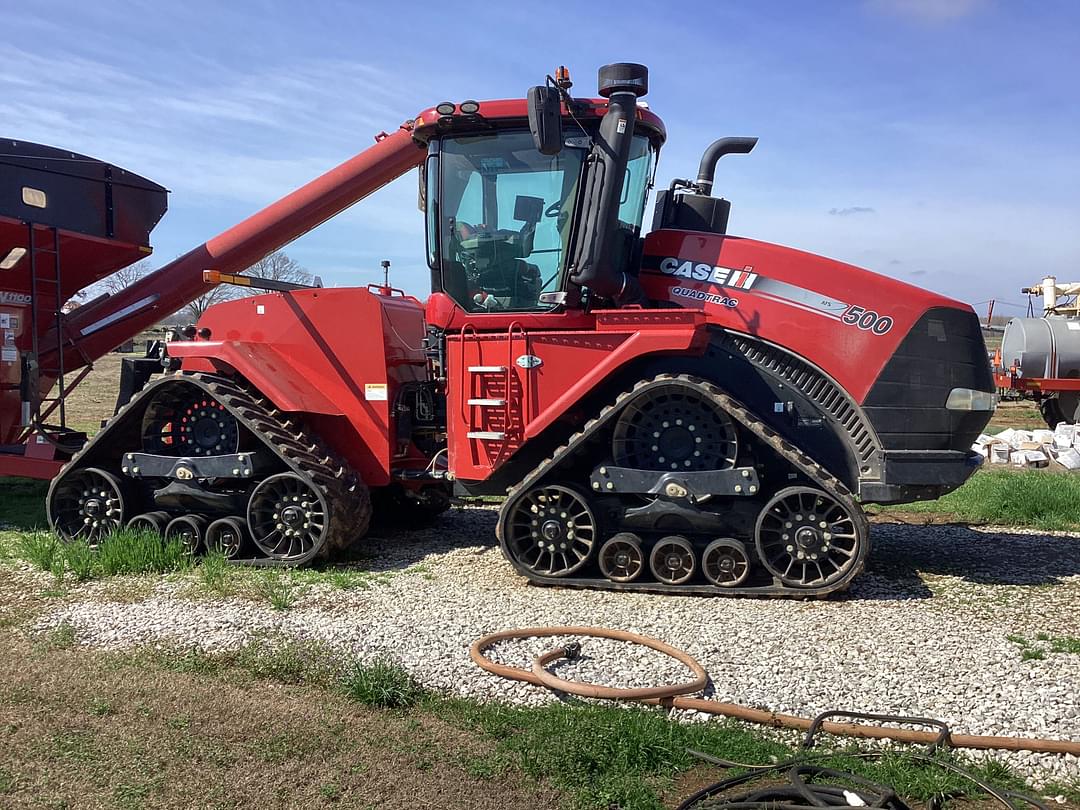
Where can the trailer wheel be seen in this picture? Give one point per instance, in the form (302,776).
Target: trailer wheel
(806,538)
(87,505)
(552,530)
(288,517)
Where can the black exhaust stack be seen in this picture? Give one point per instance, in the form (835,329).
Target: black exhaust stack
(622,84)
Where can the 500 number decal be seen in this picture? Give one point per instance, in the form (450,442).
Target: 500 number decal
(868,320)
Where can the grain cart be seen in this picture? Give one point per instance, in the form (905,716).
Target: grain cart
(680,411)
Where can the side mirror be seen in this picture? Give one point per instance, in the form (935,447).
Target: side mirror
(528,209)
(545,119)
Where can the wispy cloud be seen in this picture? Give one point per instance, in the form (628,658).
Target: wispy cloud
(847,212)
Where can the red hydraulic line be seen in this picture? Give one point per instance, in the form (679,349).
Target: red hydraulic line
(98,328)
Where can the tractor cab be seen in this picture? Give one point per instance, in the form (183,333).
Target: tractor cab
(521,217)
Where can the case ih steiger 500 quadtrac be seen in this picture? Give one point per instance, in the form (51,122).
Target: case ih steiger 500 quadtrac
(688,412)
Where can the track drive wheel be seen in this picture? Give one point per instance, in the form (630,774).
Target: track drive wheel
(226,536)
(808,539)
(674,427)
(672,560)
(182,420)
(551,530)
(621,558)
(289,518)
(87,505)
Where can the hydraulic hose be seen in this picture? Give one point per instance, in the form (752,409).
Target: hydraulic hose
(673,696)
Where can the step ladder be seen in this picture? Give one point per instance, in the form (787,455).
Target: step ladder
(480,374)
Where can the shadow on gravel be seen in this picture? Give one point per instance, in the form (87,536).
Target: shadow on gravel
(903,553)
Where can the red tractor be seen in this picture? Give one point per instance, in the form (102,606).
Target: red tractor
(681,411)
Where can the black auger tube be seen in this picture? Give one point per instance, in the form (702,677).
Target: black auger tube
(717,149)
(592,267)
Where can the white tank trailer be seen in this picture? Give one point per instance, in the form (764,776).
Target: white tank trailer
(1048,347)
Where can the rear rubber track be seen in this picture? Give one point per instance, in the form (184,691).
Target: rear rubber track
(299,450)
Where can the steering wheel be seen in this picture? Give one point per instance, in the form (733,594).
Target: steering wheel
(553,209)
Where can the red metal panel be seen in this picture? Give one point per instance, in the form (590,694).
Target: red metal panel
(338,355)
(44,469)
(572,364)
(793,298)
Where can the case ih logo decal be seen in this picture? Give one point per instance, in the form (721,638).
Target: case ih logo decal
(773,289)
(714,274)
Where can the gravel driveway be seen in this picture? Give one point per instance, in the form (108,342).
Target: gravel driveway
(923,632)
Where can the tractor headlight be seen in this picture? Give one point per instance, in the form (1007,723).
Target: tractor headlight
(968,399)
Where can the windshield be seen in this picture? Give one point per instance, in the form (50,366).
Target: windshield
(502,222)
(500,216)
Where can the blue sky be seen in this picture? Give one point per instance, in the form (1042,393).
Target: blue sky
(937,141)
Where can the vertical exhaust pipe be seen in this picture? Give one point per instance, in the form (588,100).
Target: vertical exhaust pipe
(622,84)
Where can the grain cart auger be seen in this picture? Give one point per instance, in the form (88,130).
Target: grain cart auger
(683,412)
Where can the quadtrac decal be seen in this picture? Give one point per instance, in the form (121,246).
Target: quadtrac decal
(780,291)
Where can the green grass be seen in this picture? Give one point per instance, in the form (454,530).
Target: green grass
(1031,651)
(383,685)
(1010,498)
(124,552)
(24,503)
(215,572)
(140,552)
(38,548)
(277,587)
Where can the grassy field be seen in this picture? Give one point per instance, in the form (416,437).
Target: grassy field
(280,724)
(1041,499)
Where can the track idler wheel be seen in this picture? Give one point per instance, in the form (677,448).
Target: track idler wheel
(672,560)
(226,536)
(189,530)
(154,522)
(621,558)
(808,539)
(289,518)
(725,563)
(551,531)
(87,504)
(674,427)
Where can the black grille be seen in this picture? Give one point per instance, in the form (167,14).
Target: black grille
(943,351)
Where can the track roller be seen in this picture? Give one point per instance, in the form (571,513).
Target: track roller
(672,560)
(552,530)
(150,522)
(189,530)
(725,563)
(621,558)
(87,505)
(227,536)
(807,538)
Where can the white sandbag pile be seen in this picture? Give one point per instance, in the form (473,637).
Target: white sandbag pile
(1032,448)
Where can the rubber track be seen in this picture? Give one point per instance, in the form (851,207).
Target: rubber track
(815,474)
(347,497)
